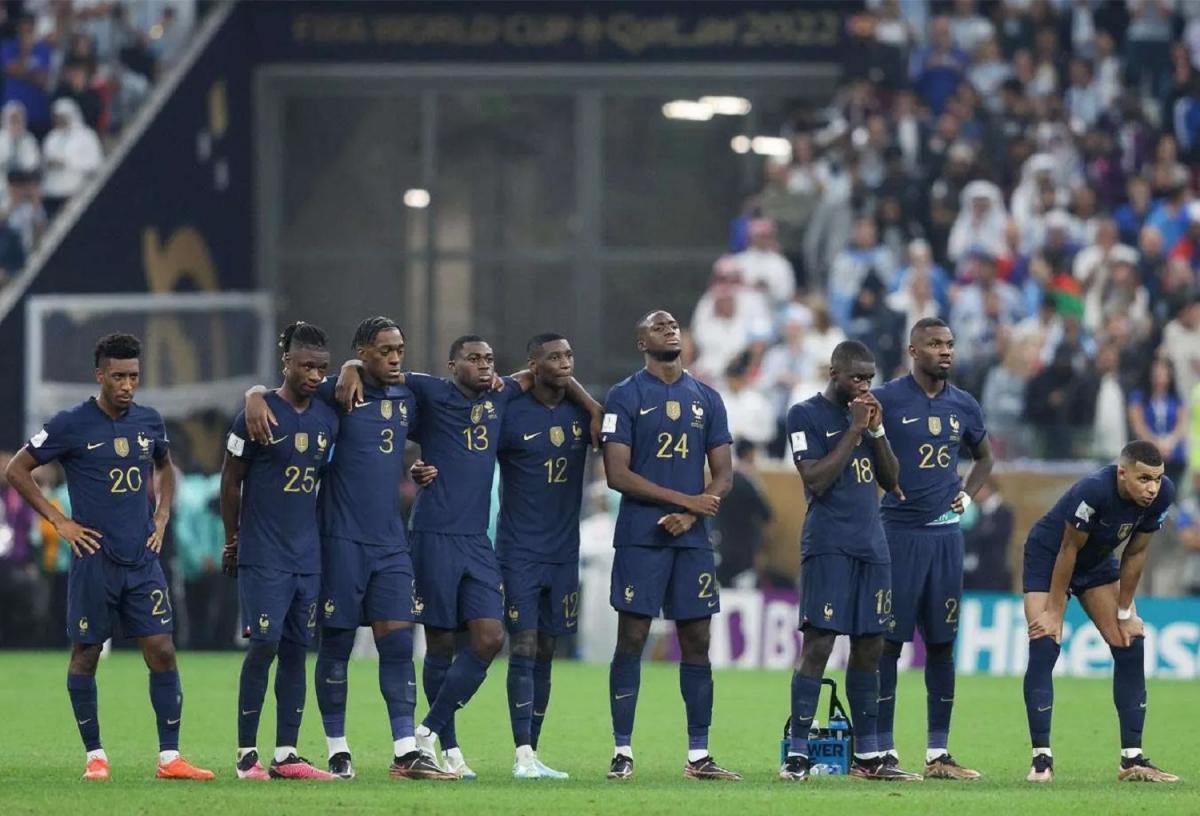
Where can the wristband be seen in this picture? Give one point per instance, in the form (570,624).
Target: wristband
(965,498)
(1124,614)
(878,433)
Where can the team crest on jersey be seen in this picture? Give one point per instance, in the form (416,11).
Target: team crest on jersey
(385,409)
(121,446)
(402,407)
(322,441)
(629,593)
(935,426)
(83,624)
(330,608)
(576,430)
(557,436)
(418,604)
(674,411)
(1124,532)
(264,622)
(954,423)
(697,415)
(513,614)
(828,611)
(476,414)
(301,442)
(144,443)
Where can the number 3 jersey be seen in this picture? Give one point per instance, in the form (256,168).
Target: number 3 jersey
(110,468)
(669,429)
(278,526)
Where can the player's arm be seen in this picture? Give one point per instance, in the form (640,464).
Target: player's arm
(233,473)
(621,478)
(887,466)
(84,541)
(1049,623)
(577,394)
(820,474)
(164,495)
(1133,562)
(981,469)
(259,416)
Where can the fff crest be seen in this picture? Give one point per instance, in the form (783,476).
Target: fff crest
(1124,532)
(576,430)
(476,414)
(557,436)
(935,425)
(121,446)
(322,440)
(385,408)
(673,409)
(301,442)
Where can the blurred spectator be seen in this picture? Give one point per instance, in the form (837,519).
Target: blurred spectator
(72,154)
(787,366)
(938,68)
(210,598)
(74,83)
(1053,406)
(981,222)
(987,540)
(12,251)
(1117,289)
(864,257)
(1003,395)
(1171,215)
(1131,216)
(1157,413)
(27,63)
(1148,45)
(21,590)
(790,209)
(24,211)
(751,415)
(763,267)
(1181,344)
(1187,526)
(1082,98)
(18,148)
(915,299)
(980,310)
(738,536)
(1109,428)
(877,326)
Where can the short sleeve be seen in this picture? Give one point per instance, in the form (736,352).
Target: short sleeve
(804,438)
(974,433)
(162,445)
(421,385)
(717,430)
(54,441)
(238,443)
(617,425)
(327,392)
(1156,517)
(1089,496)
(511,391)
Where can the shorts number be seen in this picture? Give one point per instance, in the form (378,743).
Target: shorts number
(863,472)
(300,481)
(705,579)
(668,446)
(952,610)
(883,602)
(930,455)
(125,481)
(477,438)
(385,444)
(556,470)
(161,604)
(570,604)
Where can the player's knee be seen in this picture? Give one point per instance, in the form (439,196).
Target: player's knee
(818,645)
(487,642)
(1112,636)
(524,644)
(632,631)
(939,652)
(865,654)
(693,647)
(545,647)
(337,644)
(440,642)
(260,653)
(891,649)
(85,658)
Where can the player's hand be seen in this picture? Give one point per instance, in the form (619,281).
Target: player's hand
(860,415)
(259,419)
(349,388)
(422,473)
(898,493)
(1130,629)
(155,541)
(229,558)
(497,382)
(876,418)
(705,504)
(677,523)
(84,540)
(959,505)
(1047,624)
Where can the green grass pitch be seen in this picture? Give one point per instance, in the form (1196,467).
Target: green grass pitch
(41,758)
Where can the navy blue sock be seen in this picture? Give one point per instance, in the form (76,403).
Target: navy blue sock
(541,699)
(862,689)
(333,660)
(290,690)
(398,680)
(939,694)
(624,680)
(696,686)
(433,675)
(82,690)
(166,696)
(1129,691)
(806,692)
(1039,689)
(520,698)
(252,690)
(887,696)
(466,675)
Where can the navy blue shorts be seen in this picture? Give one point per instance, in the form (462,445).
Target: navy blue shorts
(100,590)
(458,579)
(845,594)
(927,579)
(679,582)
(364,583)
(278,604)
(541,596)
(1039,566)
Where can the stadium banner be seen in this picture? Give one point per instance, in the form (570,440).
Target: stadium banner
(757,629)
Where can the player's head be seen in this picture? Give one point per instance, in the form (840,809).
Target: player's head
(851,370)
(305,357)
(472,363)
(117,368)
(658,335)
(551,359)
(931,346)
(1140,471)
(379,343)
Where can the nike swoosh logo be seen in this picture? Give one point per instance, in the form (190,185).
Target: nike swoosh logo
(1047,708)
(299,710)
(831,433)
(1143,705)
(277,441)
(885,699)
(907,421)
(164,621)
(248,713)
(624,696)
(644,411)
(362,404)
(524,705)
(411,683)
(461,704)
(84,722)
(93,446)
(950,700)
(527,437)
(333,682)
(711,604)
(174,722)
(539,713)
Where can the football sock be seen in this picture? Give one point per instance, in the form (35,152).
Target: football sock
(1129,691)
(862,689)
(541,699)
(433,674)
(82,690)
(252,690)
(166,696)
(290,690)
(696,686)
(331,680)
(1039,689)
(624,680)
(887,694)
(806,691)
(520,698)
(464,678)
(939,694)
(398,680)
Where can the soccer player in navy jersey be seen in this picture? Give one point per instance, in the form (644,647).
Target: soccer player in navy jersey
(659,428)
(113,451)
(842,454)
(272,546)
(366,566)
(930,423)
(458,579)
(1070,551)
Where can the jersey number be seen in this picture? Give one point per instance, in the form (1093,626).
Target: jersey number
(385,440)
(477,438)
(300,481)
(556,470)
(125,481)
(883,602)
(668,446)
(161,605)
(570,604)
(930,455)
(705,579)
(862,470)
(952,610)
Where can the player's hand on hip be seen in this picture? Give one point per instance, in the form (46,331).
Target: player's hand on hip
(677,523)
(705,504)
(155,541)
(1130,629)
(84,540)
(959,505)
(259,419)
(229,558)
(423,473)
(1047,624)
(349,388)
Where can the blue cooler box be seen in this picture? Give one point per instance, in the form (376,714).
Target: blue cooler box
(830,748)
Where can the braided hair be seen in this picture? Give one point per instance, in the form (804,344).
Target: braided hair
(370,328)
(301,334)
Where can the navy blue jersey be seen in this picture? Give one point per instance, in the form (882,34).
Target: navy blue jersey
(542,456)
(1094,506)
(845,519)
(110,469)
(360,494)
(460,437)
(669,430)
(278,526)
(927,435)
